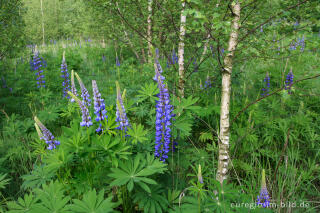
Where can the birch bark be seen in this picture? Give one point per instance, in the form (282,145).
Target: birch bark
(224,156)
(181,50)
(149,32)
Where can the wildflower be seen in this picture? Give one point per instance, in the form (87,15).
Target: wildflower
(84,92)
(263,198)
(103,58)
(267,84)
(73,87)
(117,62)
(65,76)
(174,59)
(163,118)
(86,119)
(99,106)
(212,51)
(200,179)
(121,118)
(46,135)
(261,29)
(207,83)
(37,65)
(301,43)
(289,81)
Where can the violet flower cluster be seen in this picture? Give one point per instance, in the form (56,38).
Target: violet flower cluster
(84,93)
(288,82)
(99,106)
(121,116)
(47,135)
(117,62)
(265,90)
(163,118)
(173,59)
(263,198)
(38,65)
(86,119)
(65,76)
(207,83)
(300,42)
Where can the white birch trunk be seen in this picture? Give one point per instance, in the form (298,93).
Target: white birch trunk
(181,50)
(224,156)
(42,22)
(149,32)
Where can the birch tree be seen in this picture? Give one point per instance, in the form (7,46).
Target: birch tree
(181,50)
(224,156)
(149,32)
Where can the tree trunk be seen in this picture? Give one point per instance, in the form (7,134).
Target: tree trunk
(224,156)
(149,32)
(42,22)
(181,50)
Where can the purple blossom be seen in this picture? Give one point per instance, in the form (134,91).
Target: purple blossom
(86,119)
(99,106)
(289,81)
(265,90)
(65,76)
(117,62)
(163,118)
(47,135)
(84,92)
(38,65)
(121,116)
(263,198)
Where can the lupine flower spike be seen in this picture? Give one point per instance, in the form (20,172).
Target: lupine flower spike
(121,118)
(73,87)
(289,81)
(86,119)
(37,66)
(265,90)
(84,92)
(117,61)
(200,179)
(163,118)
(263,198)
(99,106)
(65,76)
(45,135)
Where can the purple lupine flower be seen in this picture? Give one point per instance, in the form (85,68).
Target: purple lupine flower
(84,92)
(47,135)
(265,90)
(121,116)
(302,44)
(174,59)
(212,51)
(73,87)
(37,66)
(207,83)
(99,106)
(222,51)
(263,198)
(289,81)
(200,179)
(163,119)
(65,76)
(117,62)
(296,24)
(86,119)
(103,58)
(261,29)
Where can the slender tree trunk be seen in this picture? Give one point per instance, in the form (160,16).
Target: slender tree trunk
(181,50)
(224,156)
(205,48)
(149,32)
(42,22)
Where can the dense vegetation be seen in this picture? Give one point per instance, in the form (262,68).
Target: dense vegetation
(125,106)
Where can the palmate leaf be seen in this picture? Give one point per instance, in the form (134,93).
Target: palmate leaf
(148,91)
(3,181)
(93,203)
(39,175)
(135,171)
(137,133)
(26,205)
(153,202)
(52,198)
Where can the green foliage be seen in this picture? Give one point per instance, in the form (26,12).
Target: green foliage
(136,171)
(93,203)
